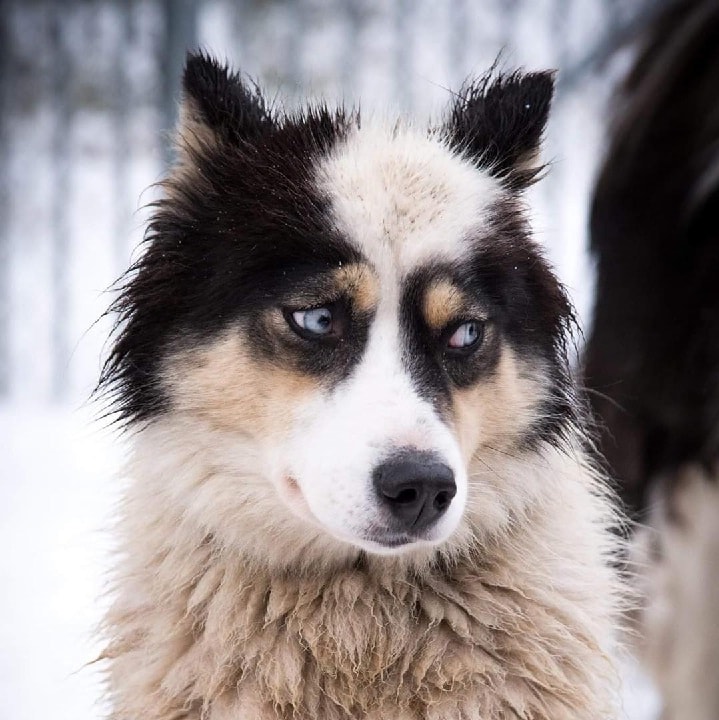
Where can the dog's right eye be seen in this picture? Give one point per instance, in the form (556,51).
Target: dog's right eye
(317,321)
(314,323)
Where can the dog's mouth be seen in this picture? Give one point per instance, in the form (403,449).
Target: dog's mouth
(377,537)
(392,541)
(389,542)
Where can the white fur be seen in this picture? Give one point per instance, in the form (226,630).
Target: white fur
(405,201)
(405,198)
(341,438)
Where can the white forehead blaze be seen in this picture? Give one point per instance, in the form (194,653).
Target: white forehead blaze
(404,197)
(405,200)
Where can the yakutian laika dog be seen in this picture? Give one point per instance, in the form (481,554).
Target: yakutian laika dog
(358,486)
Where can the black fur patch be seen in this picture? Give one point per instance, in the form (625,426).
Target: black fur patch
(526,307)
(330,359)
(434,369)
(233,234)
(534,313)
(653,355)
(499,121)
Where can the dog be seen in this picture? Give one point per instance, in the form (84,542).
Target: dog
(653,354)
(359,484)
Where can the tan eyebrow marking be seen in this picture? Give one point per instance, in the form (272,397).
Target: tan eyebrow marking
(359,282)
(443,302)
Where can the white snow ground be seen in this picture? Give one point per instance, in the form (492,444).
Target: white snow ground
(58,493)
(57,499)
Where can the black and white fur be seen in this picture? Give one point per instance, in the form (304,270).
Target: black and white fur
(359,485)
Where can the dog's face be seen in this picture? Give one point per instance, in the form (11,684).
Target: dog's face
(339,323)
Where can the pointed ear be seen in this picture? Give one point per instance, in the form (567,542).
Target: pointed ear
(217,106)
(499,121)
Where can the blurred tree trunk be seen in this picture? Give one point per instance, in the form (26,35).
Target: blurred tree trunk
(180,36)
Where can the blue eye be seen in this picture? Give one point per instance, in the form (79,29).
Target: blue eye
(317,321)
(466,335)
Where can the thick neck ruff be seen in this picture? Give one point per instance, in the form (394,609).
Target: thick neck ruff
(484,638)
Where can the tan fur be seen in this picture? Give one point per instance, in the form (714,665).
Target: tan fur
(224,386)
(678,558)
(517,625)
(360,284)
(491,413)
(355,282)
(443,303)
(487,417)
(192,136)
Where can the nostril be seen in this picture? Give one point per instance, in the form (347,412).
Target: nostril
(408,495)
(442,500)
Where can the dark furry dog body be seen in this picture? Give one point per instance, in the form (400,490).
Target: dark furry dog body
(653,354)
(358,486)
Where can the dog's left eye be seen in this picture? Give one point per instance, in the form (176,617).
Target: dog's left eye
(466,336)
(314,322)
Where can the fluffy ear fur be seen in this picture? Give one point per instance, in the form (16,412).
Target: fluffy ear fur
(217,106)
(499,120)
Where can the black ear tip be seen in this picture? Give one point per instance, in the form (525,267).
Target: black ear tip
(545,77)
(542,82)
(507,88)
(537,91)
(539,84)
(201,68)
(499,118)
(198,58)
(217,97)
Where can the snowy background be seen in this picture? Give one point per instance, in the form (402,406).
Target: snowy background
(87,92)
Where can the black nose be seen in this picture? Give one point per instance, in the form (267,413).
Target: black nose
(416,487)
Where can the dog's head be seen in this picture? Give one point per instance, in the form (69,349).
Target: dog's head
(336,325)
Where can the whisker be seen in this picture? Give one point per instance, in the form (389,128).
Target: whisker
(489,467)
